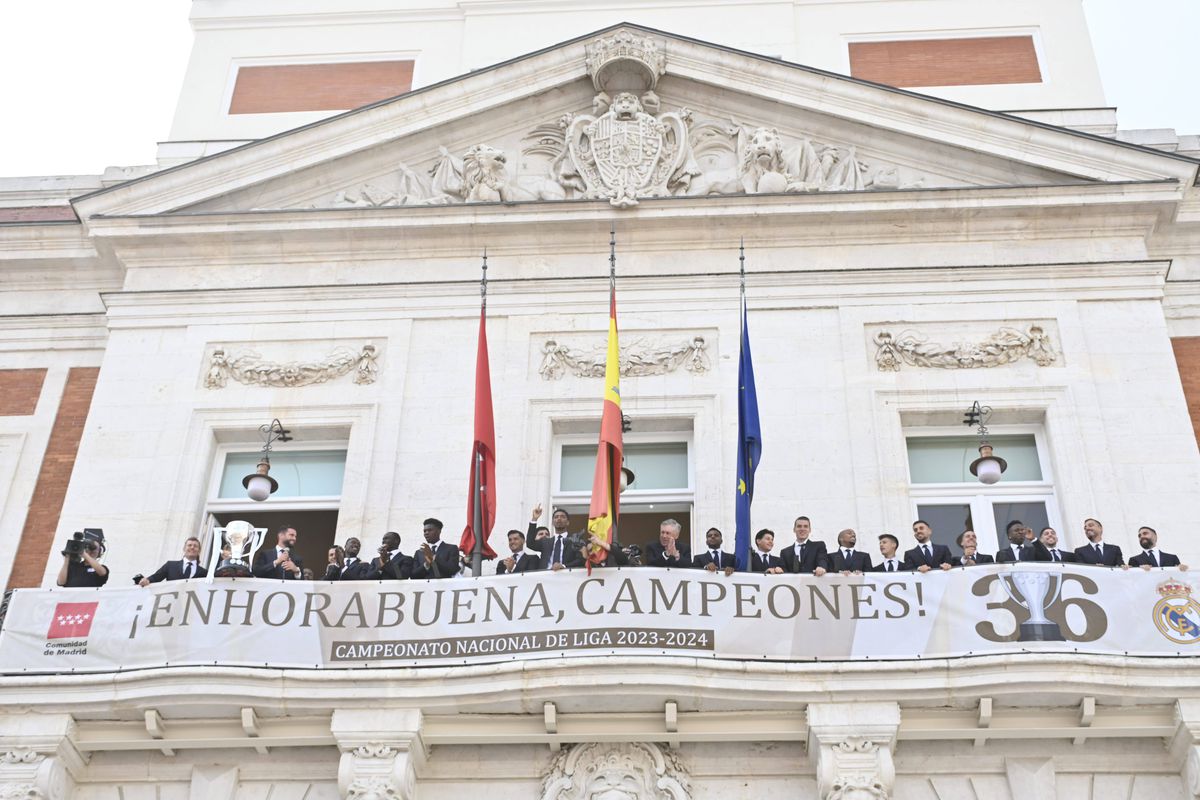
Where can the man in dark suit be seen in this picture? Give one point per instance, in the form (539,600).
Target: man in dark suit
(389,564)
(279,561)
(971,556)
(1046,548)
(353,568)
(1018,549)
(888,545)
(667,552)
(1097,553)
(181,570)
(846,559)
(435,559)
(761,559)
(805,555)
(1151,556)
(926,555)
(559,550)
(714,559)
(519,560)
(337,560)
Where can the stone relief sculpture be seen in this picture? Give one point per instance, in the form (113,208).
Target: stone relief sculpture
(1003,347)
(637,359)
(853,772)
(250,369)
(627,149)
(615,771)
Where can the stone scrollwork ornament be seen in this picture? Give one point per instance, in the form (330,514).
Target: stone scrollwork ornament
(1005,346)
(251,369)
(615,771)
(636,359)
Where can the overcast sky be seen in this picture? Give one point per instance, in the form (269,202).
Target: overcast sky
(88,84)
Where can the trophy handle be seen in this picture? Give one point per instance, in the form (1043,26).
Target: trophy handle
(1056,577)
(257,535)
(1011,596)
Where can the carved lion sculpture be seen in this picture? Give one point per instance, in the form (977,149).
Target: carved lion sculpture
(762,167)
(485,179)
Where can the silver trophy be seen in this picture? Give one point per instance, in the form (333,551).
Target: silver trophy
(242,539)
(1034,591)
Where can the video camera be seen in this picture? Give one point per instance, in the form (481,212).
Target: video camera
(88,538)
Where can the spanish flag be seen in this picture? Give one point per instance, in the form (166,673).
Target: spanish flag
(606,486)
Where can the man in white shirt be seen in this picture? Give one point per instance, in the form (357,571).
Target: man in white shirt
(1049,542)
(888,545)
(279,561)
(1097,552)
(1151,557)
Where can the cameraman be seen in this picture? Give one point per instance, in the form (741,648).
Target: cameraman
(81,567)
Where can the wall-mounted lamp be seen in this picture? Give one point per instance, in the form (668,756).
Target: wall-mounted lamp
(259,484)
(988,467)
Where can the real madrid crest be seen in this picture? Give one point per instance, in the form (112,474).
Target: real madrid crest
(625,152)
(1177,614)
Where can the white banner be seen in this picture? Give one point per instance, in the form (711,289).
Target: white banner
(963,612)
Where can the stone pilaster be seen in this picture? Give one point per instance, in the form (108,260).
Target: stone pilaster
(851,745)
(382,753)
(1185,745)
(38,760)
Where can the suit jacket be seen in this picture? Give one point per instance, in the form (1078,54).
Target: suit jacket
(1164,560)
(571,556)
(901,565)
(814,556)
(1112,556)
(941,555)
(526,562)
(445,562)
(264,565)
(398,568)
(756,564)
(173,571)
(980,558)
(859,562)
(1028,553)
(705,558)
(358,571)
(1042,553)
(656,556)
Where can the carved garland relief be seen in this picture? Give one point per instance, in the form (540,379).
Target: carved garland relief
(637,359)
(627,149)
(251,369)
(1005,346)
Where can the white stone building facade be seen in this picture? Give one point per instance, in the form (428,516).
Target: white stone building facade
(906,255)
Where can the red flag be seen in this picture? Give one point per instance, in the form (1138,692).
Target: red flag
(72,620)
(485,445)
(606,485)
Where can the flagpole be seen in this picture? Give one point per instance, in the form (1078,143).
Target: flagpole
(479,489)
(613,491)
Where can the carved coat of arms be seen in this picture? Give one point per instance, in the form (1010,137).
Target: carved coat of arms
(626,153)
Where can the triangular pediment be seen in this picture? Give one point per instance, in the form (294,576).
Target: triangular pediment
(628,114)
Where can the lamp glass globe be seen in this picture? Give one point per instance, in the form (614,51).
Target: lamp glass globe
(259,488)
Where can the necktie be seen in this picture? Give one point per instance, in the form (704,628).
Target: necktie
(717,558)
(925,550)
(891,566)
(1100,551)
(1054,555)
(763,556)
(556,555)
(848,556)
(1153,560)
(187,570)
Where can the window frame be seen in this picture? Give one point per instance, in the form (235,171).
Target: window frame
(630,496)
(981,497)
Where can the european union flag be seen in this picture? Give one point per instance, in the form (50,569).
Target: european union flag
(749,447)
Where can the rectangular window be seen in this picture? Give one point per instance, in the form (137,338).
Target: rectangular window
(310,488)
(947,496)
(661,489)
